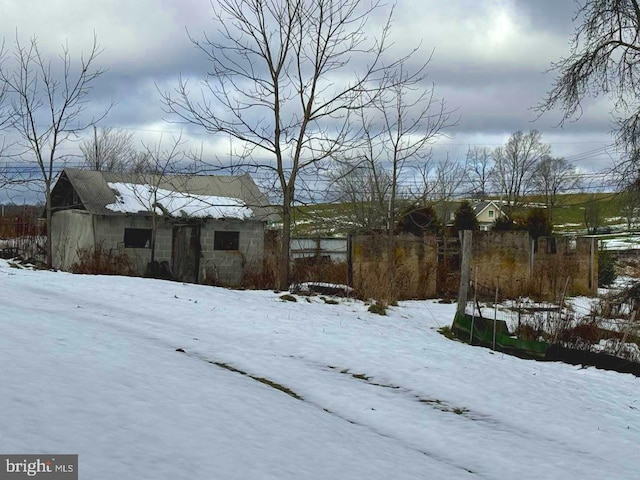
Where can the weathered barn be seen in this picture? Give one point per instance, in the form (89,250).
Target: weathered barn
(199,228)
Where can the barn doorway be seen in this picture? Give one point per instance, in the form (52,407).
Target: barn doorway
(185,253)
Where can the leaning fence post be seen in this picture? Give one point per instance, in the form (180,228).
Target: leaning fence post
(465,268)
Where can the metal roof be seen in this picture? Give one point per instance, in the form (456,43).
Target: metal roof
(94,193)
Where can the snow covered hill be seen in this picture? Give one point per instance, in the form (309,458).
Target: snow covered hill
(152,379)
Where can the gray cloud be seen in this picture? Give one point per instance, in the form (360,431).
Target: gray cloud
(489,60)
(550,15)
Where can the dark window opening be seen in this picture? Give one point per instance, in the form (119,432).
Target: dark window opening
(226,240)
(137,238)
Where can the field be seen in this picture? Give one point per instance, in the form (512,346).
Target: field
(568,215)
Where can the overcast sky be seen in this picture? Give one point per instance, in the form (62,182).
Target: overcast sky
(489,63)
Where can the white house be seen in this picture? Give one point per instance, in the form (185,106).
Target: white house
(486,213)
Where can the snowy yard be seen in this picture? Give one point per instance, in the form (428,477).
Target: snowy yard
(267,389)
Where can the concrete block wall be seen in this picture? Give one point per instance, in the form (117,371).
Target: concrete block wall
(560,260)
(506,260)
(164,241)
(110,233)
(222,267)
(502,260)
(416,260)
(511,262)
(227,267)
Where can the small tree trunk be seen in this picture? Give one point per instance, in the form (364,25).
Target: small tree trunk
(49,214)
(284,267)
(154,228)
(283,270)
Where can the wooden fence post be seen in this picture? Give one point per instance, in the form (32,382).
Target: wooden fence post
(465,271)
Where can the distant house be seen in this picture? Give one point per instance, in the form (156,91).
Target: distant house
(486,212)
(208,228)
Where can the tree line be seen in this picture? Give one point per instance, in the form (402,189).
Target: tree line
(521,167)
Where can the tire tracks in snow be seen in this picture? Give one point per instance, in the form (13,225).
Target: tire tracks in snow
(170,333)
(286,390)
(146,324)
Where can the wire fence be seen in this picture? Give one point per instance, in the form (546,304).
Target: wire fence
(582,323)
(24,236)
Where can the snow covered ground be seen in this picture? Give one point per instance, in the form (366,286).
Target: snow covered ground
(631,242)
(267,389)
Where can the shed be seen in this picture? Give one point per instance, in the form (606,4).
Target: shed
(206,228)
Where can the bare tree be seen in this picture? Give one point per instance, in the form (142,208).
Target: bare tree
(360,178)
(285,74)
(397,129)
(440,182)
(553,177)
(5,177)
(629,203)
(364,189)
(142,162)
(109,150)
(413,118)
(515,163)
(448,178)
(479,163)
(12,174)
(604,61)
(47,102)
(592,214)
(157,162)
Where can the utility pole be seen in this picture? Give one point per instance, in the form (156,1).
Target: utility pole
(95,143)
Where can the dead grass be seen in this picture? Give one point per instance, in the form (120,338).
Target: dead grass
(320,270)
(379,308)
(264,278)
(103,261)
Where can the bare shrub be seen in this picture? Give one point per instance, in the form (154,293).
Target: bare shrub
(388,283)
(527,332)
(379,308)
(103,261)
(262,278)
(375,282)
(322,269)
(581,336)
(304,270)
